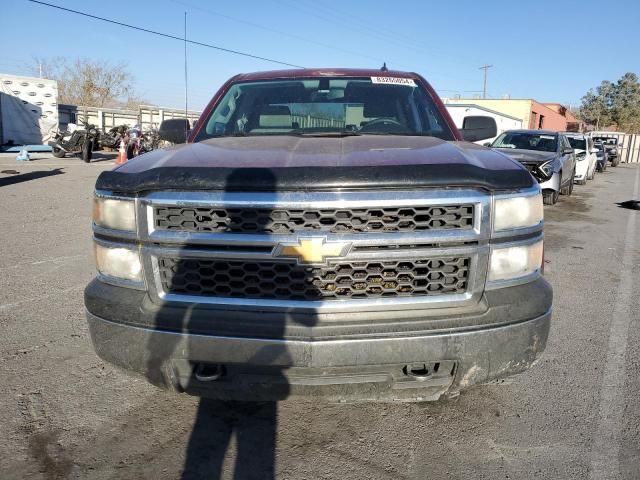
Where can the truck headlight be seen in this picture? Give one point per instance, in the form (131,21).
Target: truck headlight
(517,212)
(119,262)
(114,213)
(514,262)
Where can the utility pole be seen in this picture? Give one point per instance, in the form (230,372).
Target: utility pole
(484,87)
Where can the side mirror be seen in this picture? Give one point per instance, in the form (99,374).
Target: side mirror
(486,144)
(568,151)
(478,127)
(174,130)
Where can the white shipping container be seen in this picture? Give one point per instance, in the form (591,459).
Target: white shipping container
(28,109)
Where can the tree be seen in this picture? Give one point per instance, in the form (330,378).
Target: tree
(596,107)
(613,104)
(625,106)
(86,82)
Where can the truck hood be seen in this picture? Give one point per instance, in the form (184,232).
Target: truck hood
(291,162)
(528,156)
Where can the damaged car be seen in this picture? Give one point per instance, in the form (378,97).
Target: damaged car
(547,155)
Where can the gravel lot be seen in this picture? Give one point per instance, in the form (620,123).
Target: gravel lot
(66,414)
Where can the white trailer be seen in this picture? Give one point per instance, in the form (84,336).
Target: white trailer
(28,109)
(504,122)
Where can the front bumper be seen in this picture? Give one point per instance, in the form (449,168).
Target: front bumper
(582,170)
(412,365)
(552,184)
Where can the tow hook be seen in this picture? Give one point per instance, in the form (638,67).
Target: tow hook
(208,372)
(420,370)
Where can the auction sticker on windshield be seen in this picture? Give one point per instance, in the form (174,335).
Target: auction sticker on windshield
(394,81)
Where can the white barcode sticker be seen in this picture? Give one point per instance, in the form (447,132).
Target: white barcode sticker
(407,82)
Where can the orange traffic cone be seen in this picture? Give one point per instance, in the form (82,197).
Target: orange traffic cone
(122,154)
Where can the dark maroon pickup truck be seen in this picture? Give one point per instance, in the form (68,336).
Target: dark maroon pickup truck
(322,233)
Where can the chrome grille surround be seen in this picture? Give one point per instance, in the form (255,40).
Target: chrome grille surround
(469,243)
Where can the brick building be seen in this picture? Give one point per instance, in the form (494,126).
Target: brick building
(533,114)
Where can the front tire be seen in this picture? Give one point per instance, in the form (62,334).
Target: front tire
(615,162)
(550,197)
(87,151)
(568,189)
(58,152)
(130,152)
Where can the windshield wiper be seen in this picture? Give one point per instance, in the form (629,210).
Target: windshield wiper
(233,134)
(403,134)
(339,133)
(298,133)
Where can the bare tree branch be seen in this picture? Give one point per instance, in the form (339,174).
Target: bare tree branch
(88,82)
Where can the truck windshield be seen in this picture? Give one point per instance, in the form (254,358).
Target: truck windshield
(577,143)
(607,140)
(526,141)
(326,107)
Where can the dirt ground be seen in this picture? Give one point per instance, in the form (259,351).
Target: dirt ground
(66,414)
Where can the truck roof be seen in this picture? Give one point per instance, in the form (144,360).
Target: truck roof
(323,72)
(533,131)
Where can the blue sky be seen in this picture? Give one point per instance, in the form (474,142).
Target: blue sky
(552,51)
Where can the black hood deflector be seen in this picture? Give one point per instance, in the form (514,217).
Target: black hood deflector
(314,178)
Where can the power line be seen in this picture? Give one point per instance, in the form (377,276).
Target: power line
(166,35)
(332,19)
(384,30)
(380,34)
(279,32)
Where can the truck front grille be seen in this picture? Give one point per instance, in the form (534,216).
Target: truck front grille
(387,249)
(335,281)
(287,221)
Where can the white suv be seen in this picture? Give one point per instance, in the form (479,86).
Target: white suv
(586,159)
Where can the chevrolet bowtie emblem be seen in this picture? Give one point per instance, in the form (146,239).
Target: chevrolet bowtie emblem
(312,250)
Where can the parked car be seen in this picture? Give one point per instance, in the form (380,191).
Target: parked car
(602,156)
(325,234)
(586,160)
(547,155)
(612,148)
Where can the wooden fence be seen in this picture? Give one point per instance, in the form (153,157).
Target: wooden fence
(105,118)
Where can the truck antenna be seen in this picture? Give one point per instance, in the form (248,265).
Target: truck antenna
(186,88)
